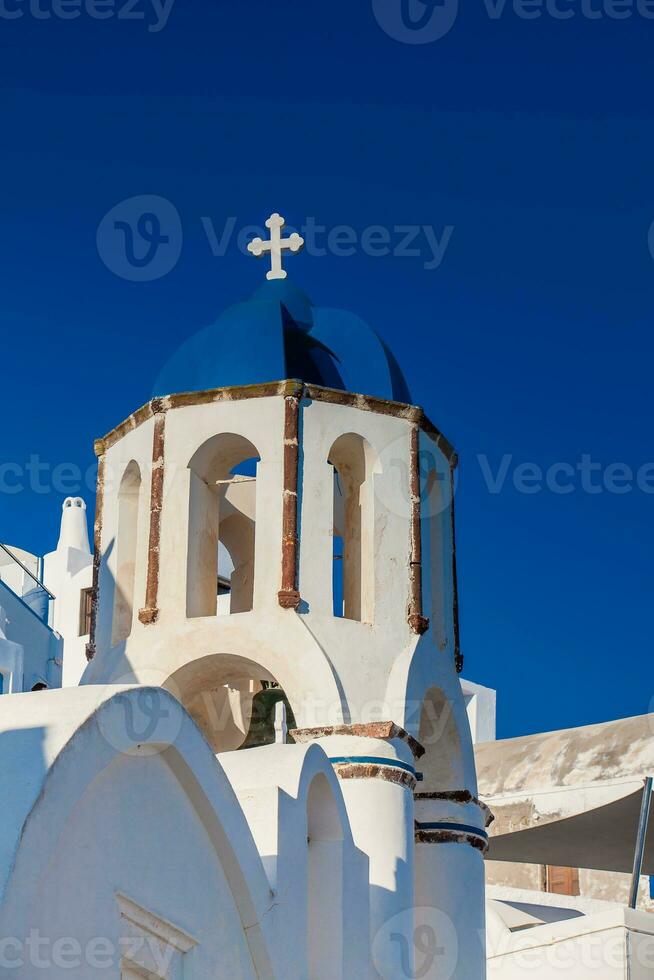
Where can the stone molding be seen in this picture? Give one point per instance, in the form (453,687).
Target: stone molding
(427,835)
(153,925)
(384,730)
(374,770)
(461,796)
(292,388)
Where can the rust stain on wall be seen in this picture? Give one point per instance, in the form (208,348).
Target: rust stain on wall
(288,595)
(450,837)
(417,621)
(150,612)
(97,551)
(461,796)
(366,770)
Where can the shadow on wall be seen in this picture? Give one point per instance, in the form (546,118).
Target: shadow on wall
(22,770)
(30,652)
(119,603)
(442,765)
(129,498)
(325,872)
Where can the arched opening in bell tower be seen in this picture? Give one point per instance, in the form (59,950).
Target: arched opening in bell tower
(353,559)
(232,700)
(221,526)
(126,547)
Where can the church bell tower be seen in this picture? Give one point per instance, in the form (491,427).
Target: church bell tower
(279,515)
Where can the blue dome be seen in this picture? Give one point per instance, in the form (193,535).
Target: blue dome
(279,334)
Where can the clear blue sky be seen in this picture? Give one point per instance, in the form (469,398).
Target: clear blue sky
(532,138)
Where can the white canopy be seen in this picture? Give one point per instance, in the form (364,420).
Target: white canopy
(570,798)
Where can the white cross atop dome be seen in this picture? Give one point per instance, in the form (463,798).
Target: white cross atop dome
(276,246)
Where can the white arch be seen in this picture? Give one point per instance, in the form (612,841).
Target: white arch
(354,462)
(222,509)
(311,803)
(325,874)
(83,731)
(424,692)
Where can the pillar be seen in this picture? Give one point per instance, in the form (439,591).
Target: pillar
(451,841)
(376,768)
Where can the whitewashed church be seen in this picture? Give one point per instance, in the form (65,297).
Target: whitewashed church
(236,743)
(266,764)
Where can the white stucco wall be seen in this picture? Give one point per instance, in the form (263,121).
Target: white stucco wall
(308,652)
(67,572)
(30,653)
(613,945)
(481,705)
(107,812)
(334,671)
(56,655)
(149,815)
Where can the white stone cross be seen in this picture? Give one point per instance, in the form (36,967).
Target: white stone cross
(276,246)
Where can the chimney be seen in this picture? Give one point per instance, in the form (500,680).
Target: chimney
(74,531)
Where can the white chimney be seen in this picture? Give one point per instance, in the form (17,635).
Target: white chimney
(74,531)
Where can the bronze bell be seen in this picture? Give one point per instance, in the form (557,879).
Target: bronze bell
(262,722)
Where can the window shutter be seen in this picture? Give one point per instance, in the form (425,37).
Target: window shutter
(562,881)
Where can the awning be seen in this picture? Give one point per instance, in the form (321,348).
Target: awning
(602,838)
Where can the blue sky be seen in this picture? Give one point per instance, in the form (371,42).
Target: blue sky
(531,140)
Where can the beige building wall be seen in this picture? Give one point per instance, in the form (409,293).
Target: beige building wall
(606,886)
